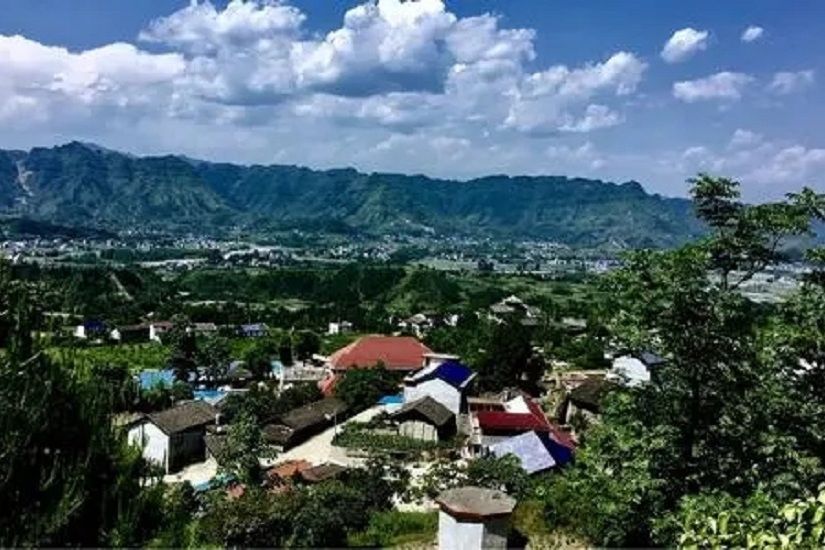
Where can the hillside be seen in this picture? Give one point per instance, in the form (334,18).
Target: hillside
(84,185)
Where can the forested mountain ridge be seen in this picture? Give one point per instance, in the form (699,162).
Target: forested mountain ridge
(85,185)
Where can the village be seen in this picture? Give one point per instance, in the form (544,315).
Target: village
(418,406)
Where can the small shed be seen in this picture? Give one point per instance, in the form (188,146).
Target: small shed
(425,419)
(472,518)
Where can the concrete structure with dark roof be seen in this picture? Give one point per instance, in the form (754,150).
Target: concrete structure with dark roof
(174,437)
(398,353)
(425,419)
(586,400)
(635,369)
(473,518)
(299,424)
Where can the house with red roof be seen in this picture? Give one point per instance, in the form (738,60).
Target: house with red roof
(397,353)
(519,415)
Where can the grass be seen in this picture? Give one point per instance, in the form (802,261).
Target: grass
(396,528)
(136,357)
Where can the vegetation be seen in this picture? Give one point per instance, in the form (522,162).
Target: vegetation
(90,186)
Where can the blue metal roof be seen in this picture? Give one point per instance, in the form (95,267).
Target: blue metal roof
(453,372)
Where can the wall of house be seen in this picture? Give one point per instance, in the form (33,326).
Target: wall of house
(418,430)
(437,389)
(154,442)
(186,448)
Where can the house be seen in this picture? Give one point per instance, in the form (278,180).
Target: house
(174,437)
(398,353)
(204,329)
(253,330)
(585,400)
(426,419)
(417,324)
(130,333)
(512,306)
(158,328)
(299,424)
(635,369)
(447,383)
(493,422)
(341,327)
(90,329)
(536,451)
(280,478)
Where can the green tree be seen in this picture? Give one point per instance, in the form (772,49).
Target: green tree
(243,450)
(361,388)
(307,343)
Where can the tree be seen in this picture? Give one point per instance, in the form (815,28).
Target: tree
(307,343)
(506,357)
(66,477)
(182,348)
(243,450)
(361,388)
(715,418)
(214,353)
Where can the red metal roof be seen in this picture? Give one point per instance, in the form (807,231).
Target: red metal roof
(395,352)
(502,420)
(512,421)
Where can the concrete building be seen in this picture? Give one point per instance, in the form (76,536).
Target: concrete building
(472,518)
(635,370)
(174,437)
(447,383)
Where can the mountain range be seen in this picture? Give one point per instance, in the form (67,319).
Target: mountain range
(83,185)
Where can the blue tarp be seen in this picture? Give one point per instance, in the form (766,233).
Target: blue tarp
(152,378)
(391,400)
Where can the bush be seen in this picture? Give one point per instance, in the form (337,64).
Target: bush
(395,528)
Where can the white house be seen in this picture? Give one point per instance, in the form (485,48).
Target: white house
(445,382)
(341,327)
(634,370)
(174,437)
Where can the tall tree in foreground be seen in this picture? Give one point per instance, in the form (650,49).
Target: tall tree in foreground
(715,416)
(66,477)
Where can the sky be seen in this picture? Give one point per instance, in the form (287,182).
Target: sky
(641,90)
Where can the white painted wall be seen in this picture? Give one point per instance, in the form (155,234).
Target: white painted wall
(418,430)
(629,371)
(153,441)
(460,535)
(437,389)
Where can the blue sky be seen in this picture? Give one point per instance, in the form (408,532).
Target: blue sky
(646,90)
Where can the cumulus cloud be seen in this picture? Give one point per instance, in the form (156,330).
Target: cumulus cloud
(726,85)
(546,100)
(766,168)
(744,138)
(784,83)
(752,34)
(684,44)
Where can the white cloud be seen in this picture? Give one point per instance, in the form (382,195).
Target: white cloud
(752,33)
(720,86)
(547,101)
(784,83)
(683,44)
(744,138)
(765,168)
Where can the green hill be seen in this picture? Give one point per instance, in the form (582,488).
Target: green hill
(83,185)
